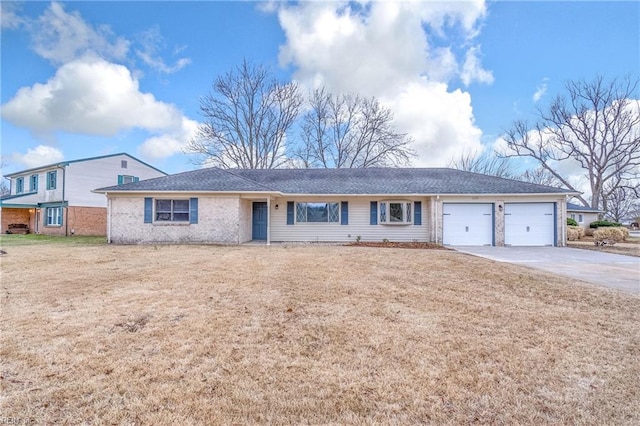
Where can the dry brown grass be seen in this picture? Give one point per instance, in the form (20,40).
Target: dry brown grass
(308,334)
(630,247)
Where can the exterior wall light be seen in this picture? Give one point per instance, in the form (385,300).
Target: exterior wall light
(277,207)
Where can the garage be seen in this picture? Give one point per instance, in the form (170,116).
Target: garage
(467,224)
(529,224)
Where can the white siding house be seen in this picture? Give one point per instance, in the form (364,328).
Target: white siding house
(57,199)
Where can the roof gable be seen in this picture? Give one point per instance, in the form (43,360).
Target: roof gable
(80,160)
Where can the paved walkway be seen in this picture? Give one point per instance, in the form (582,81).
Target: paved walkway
(606,269)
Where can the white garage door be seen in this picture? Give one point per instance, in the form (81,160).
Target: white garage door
(529,224)
(467,224)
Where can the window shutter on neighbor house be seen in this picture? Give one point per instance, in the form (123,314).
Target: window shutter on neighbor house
(289,212)
(136,179)
(193,210)
(344,213)
(120,179)
(417,213)
(148,210)
(374,213)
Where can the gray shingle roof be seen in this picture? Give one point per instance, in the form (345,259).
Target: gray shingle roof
(579,208)
(338,181)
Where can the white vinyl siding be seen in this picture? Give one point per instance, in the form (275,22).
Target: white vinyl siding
(359,210)
(529,224)
(84,176)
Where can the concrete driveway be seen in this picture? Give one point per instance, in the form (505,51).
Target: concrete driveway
(606,269)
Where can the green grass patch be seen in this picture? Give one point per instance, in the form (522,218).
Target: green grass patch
(9,240)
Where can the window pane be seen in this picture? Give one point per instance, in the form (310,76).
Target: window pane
(127,179)
(334,212)
(301,212)
(383,212)
(317,212)
(163,216)
(395,212)
(163,205)
(180,217)
(181,206)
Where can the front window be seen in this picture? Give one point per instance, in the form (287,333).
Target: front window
(19,185)
(317,212)
(172,210)
(54,216)
(33,186)
(52,179)
(395,212)
(579,218)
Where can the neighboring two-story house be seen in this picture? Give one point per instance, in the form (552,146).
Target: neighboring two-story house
(57,199)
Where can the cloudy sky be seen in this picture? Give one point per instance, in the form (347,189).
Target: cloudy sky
(82,79)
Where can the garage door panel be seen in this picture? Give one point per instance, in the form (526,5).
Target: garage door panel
(529,224)
(467,224)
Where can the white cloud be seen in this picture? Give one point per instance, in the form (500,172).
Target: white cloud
(151,41)
(472,69)
(541,90)
(95,97)
(62,37)
(38,156)
(382,49)
(9,17)
(89,96)
(171,143)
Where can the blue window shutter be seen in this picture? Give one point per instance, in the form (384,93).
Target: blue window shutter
(289,212)
(417,213)
(344,213)
(61,211)
(136,179)
(374,213)
(120,179)
(193,210)
(148,210)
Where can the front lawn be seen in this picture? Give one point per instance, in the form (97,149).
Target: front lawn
(291,334)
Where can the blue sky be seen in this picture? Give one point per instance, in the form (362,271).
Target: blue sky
(82,79)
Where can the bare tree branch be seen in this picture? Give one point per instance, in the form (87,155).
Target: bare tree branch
(348,131)
(246,119)
(597,125)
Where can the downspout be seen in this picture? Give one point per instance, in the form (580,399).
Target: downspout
(66,210)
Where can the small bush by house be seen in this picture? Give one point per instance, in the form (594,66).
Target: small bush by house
(574,233)
(571,222)
(610,235)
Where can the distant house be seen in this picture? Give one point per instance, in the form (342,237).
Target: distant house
(56,199)
(446,206)
(583,215)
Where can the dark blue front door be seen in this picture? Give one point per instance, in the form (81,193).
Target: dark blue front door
(259,221)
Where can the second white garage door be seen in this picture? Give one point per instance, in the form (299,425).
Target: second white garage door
(467,224)
(529,224)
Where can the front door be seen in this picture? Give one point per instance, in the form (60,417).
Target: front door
(259,221)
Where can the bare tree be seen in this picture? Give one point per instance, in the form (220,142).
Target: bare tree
(349,131)
(597,125)
(621,199)
(541,176)
(4,186)
(486,163)
(246,119)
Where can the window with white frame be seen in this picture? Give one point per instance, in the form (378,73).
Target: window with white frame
(317,212)
(20,185)
(172,210)
(580,218)
(54,216)
(395,212)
